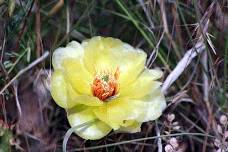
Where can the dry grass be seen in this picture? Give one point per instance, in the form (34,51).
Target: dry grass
(170,31)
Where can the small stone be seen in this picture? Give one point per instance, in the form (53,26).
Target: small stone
(226,134)
(1,132)
(170,117)
(219,150)
(169,148)
(12,141)
(173,141)
(217,142)
(219,128)
(175,123)
(176,127)
(223,120)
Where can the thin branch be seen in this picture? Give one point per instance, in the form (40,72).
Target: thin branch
(159,139)
(38,27)
(205,77)
(139,139)
(166,29)
(56,8)
(183,63)
(153,55)
(15,86)
(148,16)
(204,62)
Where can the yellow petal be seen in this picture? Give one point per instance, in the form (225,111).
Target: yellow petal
(98,53)
(92,128)
(80,79)
(65,96)
(153,105)
(101,114)
(124,109)
(131,62)
(73,50)
(116,112)
(133,128)
(155,73)
(142,86)
(88,100)
(109,54)
(147,109)
(61,91)
(144,110)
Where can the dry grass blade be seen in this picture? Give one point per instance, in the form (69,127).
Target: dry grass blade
(181,66)
(21,72)
(140,139)
(189,37)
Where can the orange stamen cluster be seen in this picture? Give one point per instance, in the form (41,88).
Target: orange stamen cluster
(105,85)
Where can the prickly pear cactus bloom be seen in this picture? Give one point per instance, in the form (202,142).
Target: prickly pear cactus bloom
(105,81)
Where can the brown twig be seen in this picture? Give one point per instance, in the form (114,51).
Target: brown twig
(2,68)
(159,142)
(165,24)
(57,6)
(38,27)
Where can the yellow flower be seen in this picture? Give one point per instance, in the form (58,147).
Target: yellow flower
(105,81)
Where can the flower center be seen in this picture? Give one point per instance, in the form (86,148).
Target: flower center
(105,85)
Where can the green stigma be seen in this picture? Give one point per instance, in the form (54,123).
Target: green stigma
(105,78)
